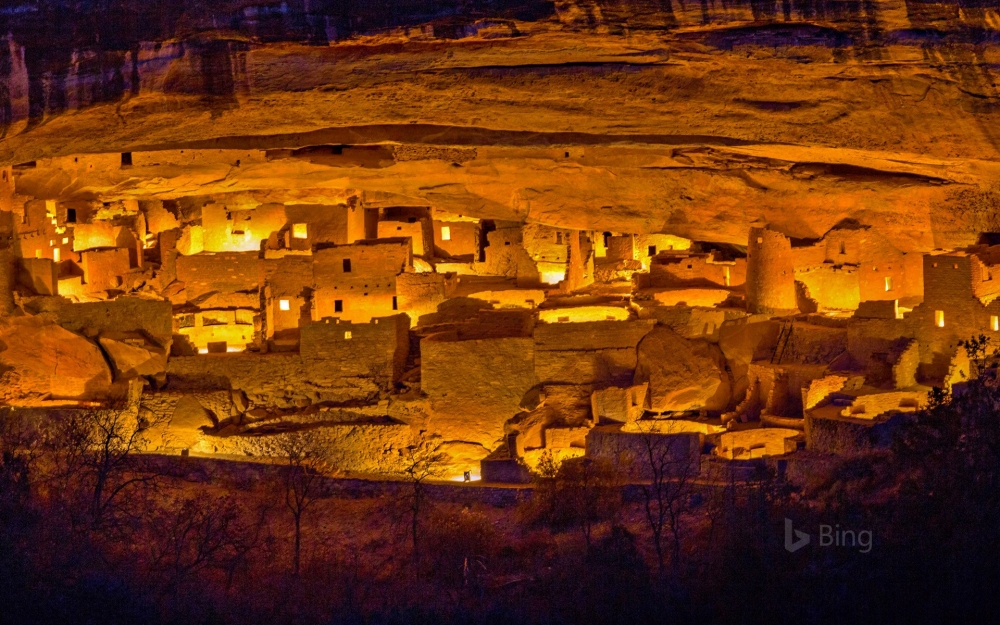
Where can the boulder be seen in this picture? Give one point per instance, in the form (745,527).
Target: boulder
(682,374)
(41,360)
(132,355)
(188,423)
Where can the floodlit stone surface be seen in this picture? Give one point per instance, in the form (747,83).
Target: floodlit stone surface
(681,374)
(45,361)
(497,228)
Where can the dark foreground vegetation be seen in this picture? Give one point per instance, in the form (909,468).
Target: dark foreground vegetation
(92,533)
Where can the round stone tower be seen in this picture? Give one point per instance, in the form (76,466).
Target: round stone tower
(770,285)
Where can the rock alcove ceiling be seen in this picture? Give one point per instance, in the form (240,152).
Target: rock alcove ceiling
(695,119)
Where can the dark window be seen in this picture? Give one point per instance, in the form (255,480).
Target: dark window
(652,250)
(338,305)
(126,159)
(559,237)
(411,220)
(566,154)
(394,305)
(71,215)
(347,265)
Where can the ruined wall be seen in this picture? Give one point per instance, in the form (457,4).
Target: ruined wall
(288,285)
(506,256)
(770,284)
(595,352)
(904,370)
(225,272)
(280,380)
(475,385)
(103,269)
(463,238)
(361,276)
(375,350)
(630,451)
(239,230)
(372,448)
(695,270)
(831,287)
(123,314)
(326,224)
(418,231)
(420,294)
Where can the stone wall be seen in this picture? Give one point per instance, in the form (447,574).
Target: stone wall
(279,380)
(674,454)
(475,385)
(596,352)
(770,284)
(357,448)
(225,272)
(377,350)
(123,314)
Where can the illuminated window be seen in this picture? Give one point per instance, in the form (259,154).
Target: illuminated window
(338,305)
(994,323)
(38,253)
(300,231)
(760,240)
(347,265)
(347,334)
(725,276)
(55,255)
(65,240)
(445,233)
(52,242)
(888,283)
(939,318)
(284,305)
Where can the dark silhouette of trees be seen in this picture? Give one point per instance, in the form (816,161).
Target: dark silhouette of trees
(304,473)
(667,468)
(423,462)
(580,492)
(94,458)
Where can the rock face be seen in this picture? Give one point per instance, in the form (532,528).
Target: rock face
(639,116)
(41,360)
(682,374)
(132,356)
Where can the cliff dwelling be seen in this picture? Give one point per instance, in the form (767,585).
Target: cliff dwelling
(521,234)
(487,290)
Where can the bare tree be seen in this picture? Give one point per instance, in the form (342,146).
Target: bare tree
(19,446)
(423,462)
(590,492)
(94,455)
(667,472)
(201,533)
(305,470)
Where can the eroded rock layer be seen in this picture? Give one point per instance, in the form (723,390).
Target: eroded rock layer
(699,120)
